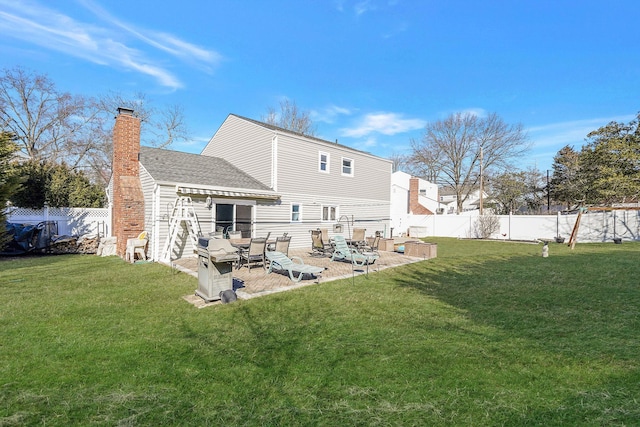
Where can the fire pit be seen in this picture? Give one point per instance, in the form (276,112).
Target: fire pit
(215,269)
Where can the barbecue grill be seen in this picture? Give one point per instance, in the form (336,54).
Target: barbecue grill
(215,269)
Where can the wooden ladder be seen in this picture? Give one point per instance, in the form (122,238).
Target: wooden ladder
(183,212)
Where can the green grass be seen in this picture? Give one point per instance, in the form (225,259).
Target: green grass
(488,333)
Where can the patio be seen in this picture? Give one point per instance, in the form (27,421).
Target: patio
(255,282)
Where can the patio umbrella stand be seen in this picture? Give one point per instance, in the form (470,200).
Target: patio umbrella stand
(215,270)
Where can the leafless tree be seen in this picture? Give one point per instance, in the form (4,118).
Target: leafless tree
(48,124)
(161,127)
(290,117)
(454,150)
(399,161)
(55,126)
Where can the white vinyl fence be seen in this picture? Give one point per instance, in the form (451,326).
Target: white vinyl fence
(595,226)
(70,221)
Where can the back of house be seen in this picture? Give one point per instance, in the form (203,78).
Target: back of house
(320,183)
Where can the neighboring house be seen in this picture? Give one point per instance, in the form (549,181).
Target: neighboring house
(448,199)
(412,200)
(320,183)
(250,177)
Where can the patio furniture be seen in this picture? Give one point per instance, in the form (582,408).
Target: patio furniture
(357,238)
(254,254)
(318,245)
(234,235)
(281,245)
(137,247)
(279,261)
(373,245)
(343,252)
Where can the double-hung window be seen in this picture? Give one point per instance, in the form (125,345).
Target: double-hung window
(296,212)
(329,213)
(323,162)
(347,166)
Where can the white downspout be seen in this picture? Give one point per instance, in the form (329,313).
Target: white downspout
(274,162)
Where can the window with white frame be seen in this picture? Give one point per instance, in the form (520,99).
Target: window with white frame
(296,212)
(323,162)
(347,166)
(329,213)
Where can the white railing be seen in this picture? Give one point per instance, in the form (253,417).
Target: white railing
(70,221)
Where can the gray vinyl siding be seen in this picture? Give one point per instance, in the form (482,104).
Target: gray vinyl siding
(147,184)
(298,170)
(245,145)
(373,215)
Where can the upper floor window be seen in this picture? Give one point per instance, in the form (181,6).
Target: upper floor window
(323,162)
(347,166)
(296,212)
(329,213)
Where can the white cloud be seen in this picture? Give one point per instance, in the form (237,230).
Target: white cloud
(569,133)
(384,123)
(39,25)
(363,7)
(329,114)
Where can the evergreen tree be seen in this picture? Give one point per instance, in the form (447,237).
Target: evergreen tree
(56,184)
(8,183)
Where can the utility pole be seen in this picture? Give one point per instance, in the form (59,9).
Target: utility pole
(548,194)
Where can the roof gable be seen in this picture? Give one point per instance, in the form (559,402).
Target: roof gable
(301,135)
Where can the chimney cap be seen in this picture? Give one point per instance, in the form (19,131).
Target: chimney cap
(124,110)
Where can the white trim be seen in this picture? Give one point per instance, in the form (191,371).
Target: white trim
(337,212)
(274,162)
(291,205)
(155,213)
(352,166)
(327,162)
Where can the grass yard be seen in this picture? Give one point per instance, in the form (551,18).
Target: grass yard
(488,333)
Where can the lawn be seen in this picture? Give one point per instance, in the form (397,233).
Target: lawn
(488,333)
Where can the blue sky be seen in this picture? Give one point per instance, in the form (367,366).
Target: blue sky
(372,73)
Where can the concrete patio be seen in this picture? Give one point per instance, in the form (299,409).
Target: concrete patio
(256,282)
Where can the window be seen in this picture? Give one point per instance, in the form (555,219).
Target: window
(347,166)
(329,213)
(323,165)
(296,212)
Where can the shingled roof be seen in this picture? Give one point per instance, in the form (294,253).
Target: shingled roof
(194,169)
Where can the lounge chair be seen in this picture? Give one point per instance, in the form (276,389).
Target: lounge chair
(343,252)
(279,261)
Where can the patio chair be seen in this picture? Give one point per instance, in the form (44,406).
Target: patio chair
(318,245)
(282,244)
(137,247)
(373,246)
(254,254)
(357,238)
(279,261)
(234,235)
(343,252)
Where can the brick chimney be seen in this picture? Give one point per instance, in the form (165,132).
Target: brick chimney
(414,202)
(128,200)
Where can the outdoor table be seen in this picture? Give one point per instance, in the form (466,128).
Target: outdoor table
(243,244)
